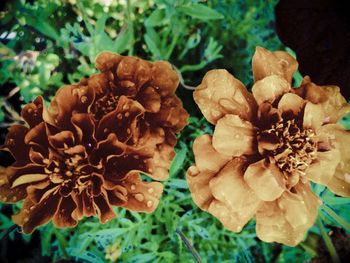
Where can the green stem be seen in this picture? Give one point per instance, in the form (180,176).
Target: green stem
(62,243)
(193,67)
(336,217)
(188,244)
(328,242)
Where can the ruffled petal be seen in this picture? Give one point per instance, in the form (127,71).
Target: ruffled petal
(64,216)
(32,113)
(265,179)
(103,208)
(198,183)
(266,63)
(229,187)
(220,93)
(69,98)
(150,99)
(323,168)
(206,157)
(142,196)
(287,219)
(122,121)
(313,116)
(234,136)
(333,103)
(15,142)
(33,215)
(164,78)
(9,194)
(291,102)
(270,88)
(208,163)
(171,114)
(340,138)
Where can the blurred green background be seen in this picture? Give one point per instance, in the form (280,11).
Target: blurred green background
(48,43)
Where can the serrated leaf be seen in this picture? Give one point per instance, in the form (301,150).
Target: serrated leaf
(200,11)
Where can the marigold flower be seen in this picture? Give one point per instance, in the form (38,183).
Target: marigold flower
(85,152)
(266,148)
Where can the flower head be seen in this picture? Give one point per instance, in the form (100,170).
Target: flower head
(85,152)
(266,148)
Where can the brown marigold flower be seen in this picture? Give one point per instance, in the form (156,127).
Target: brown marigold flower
(85,152)
(266,148)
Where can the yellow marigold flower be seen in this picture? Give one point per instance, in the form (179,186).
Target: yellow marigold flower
(85,152)
(266,148)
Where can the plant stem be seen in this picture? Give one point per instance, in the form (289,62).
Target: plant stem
(336,217)
(328,242)
(188,244)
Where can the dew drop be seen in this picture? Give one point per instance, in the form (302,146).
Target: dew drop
(25,220)
(83,99)
(133,187)
(119,116)
(30,110)
(151,190)
(149,203)
(127,114)
(32,208)
(139,197)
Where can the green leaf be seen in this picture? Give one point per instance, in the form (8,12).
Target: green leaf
(200,11)
(178,161)
(345,121)
(156,18)
(123,41)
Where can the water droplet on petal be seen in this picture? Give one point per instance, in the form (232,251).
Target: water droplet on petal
(139,197)
(151,190)
(149,203)
(83,99)
(133,187)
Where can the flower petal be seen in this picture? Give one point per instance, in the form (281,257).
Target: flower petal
(220,93)
(69,98)
(287,219)
(340,138)
(313,116)
(329,97)
(323,168)
(122,121)
(266,63)
(229,187)
(171,114)
(150,99)
(234,136)
(8,194)
(291,102)
(32,113)
(270,88)
(198,183)
(64,214)
(103,208)
(142,196)
(206,157)
(33,215)
(164,78)
(265,179)
(15,142)
(160,162)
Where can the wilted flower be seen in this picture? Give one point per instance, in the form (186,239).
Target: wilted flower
(266,148)
(84,154)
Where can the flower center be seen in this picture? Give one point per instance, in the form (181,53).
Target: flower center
(105,105)
(67,173)
(294,147)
